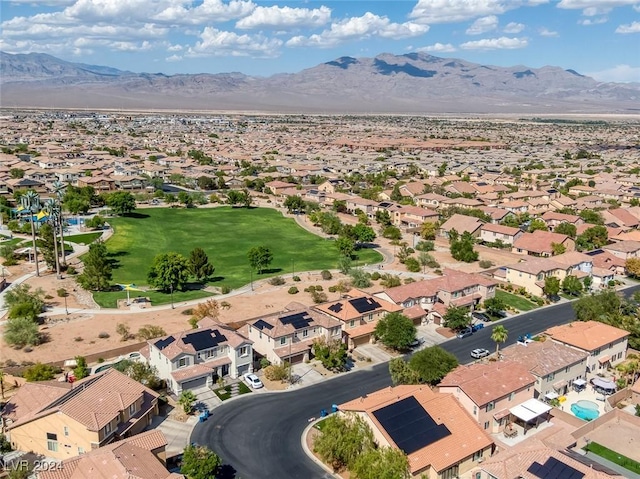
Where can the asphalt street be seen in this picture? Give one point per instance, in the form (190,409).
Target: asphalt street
(259,435)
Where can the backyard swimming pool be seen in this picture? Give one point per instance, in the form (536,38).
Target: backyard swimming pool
(587,410)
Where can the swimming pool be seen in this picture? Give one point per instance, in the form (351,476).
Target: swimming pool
(587,410)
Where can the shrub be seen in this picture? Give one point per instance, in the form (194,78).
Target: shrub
(224,289)
(77,339)
(124,331)
(264,362)
(485,263)
(276,372)
(103,335)
(412,265)
(425,246)
(293,290)
(296,279)
(409,280)
(71,270)
(375,276)
(326,275)
(100,360)
(318,297)
(188,312)
(277,281)
(149,331)
(319,288)
(333,289)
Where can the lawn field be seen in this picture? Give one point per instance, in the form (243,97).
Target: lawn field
(84,238)
(515,301)
(226,234)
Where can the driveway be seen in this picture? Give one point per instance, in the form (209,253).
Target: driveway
(176,432)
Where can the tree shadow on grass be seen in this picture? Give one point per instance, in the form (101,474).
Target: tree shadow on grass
(194,286)
(113,262)
(215,279)
(135,215)
(270,271)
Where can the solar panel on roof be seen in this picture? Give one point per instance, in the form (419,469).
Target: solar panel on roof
(364,305)
(410,425)
(336,308)
(554,469)
(163,343)
(297,320)
(262,324)
(204,339)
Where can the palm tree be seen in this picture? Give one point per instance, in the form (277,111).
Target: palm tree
(2,383)
(58,189)
(31,203)
(499,335)
(52,208)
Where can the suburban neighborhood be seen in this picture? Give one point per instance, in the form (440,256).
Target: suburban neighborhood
(405,297)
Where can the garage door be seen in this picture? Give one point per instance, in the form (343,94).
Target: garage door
(194,383)
(361,340)
(243,369)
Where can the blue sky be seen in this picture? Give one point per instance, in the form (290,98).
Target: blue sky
(600,38)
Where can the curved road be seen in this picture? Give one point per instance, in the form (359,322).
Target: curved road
(259,435)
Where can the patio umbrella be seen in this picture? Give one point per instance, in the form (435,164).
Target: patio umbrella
(129,287)
(604,384)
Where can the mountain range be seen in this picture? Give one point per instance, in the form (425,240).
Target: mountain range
(387,83)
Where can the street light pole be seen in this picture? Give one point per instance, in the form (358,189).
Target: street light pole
(172,305)
(251,278)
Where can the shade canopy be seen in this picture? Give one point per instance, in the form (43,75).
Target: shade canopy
(552,395)
(579,382)
(530,409)
(603,383)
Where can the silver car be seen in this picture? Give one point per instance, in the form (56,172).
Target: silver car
(253,381)
(479,353)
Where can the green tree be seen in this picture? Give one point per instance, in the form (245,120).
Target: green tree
(591,216)
(432,364)
(401,372)
(294,203)
(572,285)
(344,264)
(551,286)
(558,248)
(199,265)
(199,462)
(342,440)
(428,230)
(48,245)
(96,275)
(383,217)
(456,317)
(121,202)
(186,400)
(332,354)
(395,331)
(390,280)
(346,246)
(360,278)
(81,370)
(392,232)
(363,233)
(8,252)
(141,372)
(39,372)
(632,267)
(425,246)
(384,462)
(404,252)
(260,257)
(592,238)
(169,271)
(185,198)
(494,306)
(568,229)
(462,248)
(499,335)
(412,265)
(538,225)
(22,302)
(21,331)
(16,173)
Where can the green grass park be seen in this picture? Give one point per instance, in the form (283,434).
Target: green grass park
(226,234)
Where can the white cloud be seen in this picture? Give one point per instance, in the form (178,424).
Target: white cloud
(483,25)
(631,28)
(173,58)
(598,4)
(495,44)
(545,32)
(48,3)
(216,42)
(619,73)
(438,48)
(450,11)
(594,11)
(285,17)
(209,11)
(513,27)
(367,26)
(595,21)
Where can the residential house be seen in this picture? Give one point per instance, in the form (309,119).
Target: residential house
(450,443)
(288,336)
(277,187)
(607,261)
(488,390)
(413,216)
(435,295)
(531,274)
(541,243)
(554,365)
(141,457)
(99,183)
(430,200)
(461,202)
(61,420)
(358,314)
(368,207)
(553,219)
(606,345)
(494,233)
(197,358)
(461,223)
(498,215)
(624,249)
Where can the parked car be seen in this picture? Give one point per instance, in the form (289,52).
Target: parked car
(501,314)
(477,327)
(481,316)
(417,342)
(253,381)
(479,353)
(465,332)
